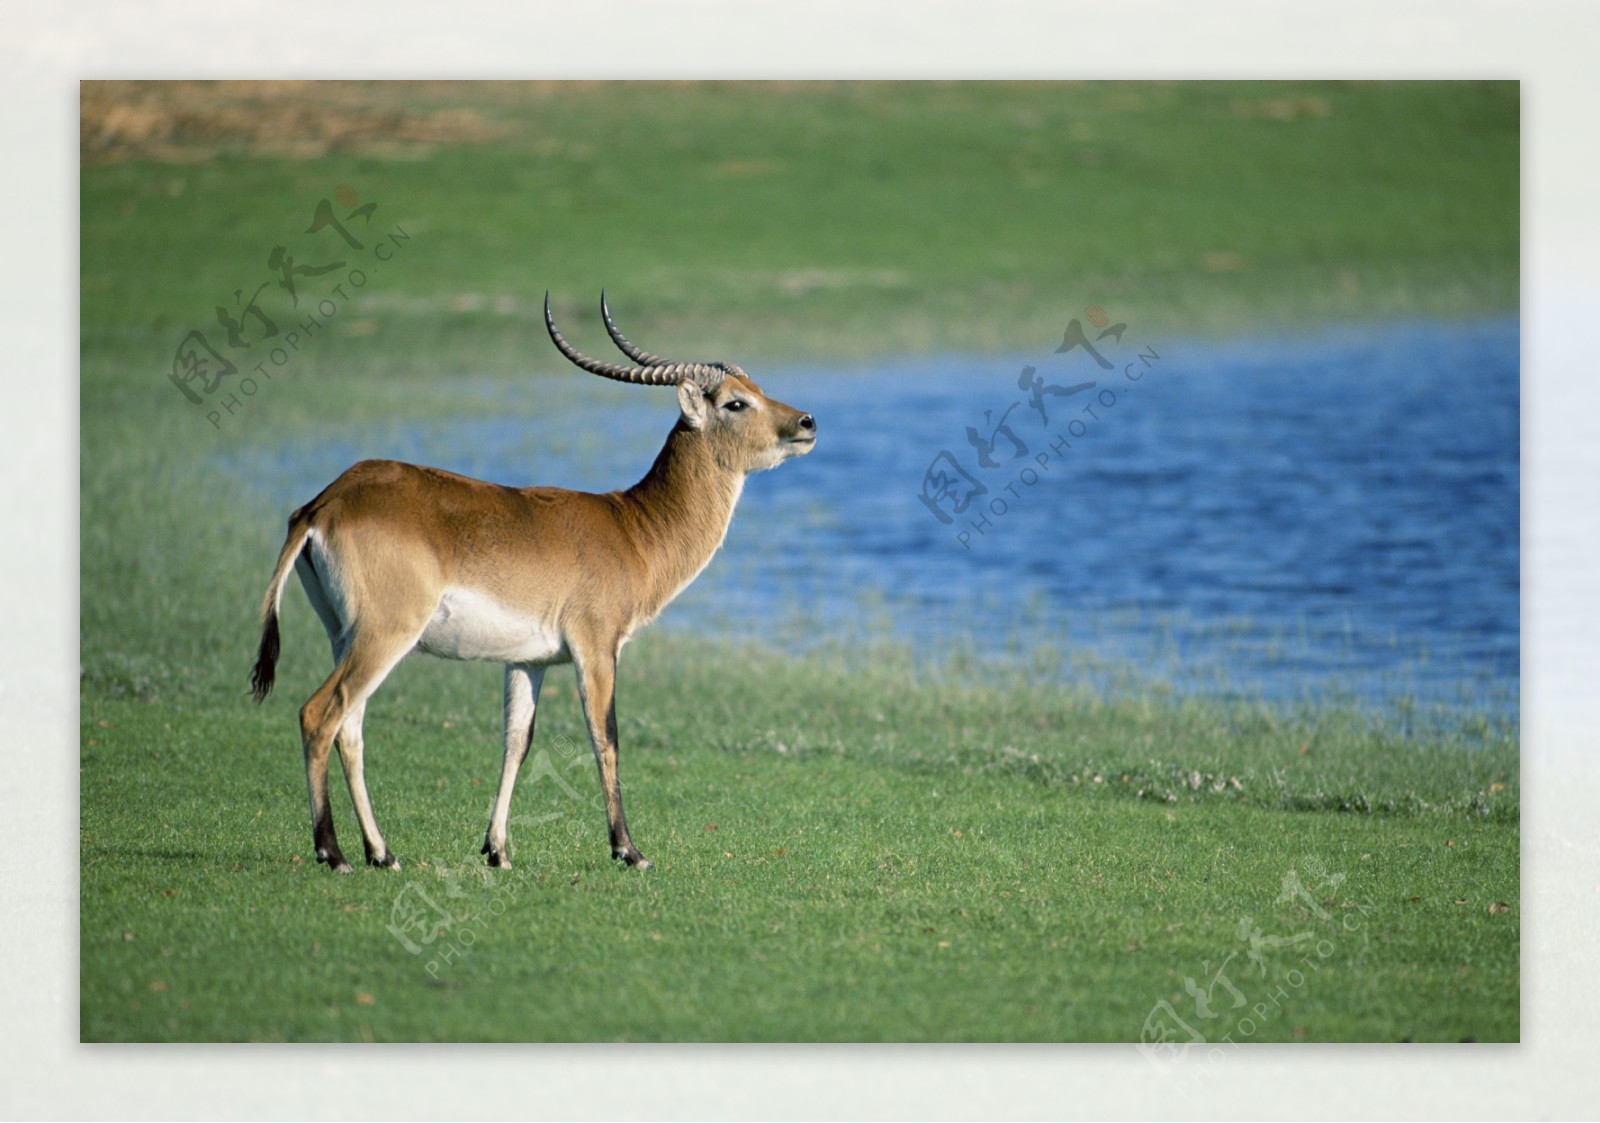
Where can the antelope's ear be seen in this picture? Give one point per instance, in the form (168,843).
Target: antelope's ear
(692,402)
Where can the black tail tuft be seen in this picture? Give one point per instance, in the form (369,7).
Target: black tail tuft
(266,668)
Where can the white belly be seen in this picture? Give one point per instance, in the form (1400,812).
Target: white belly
(471,625)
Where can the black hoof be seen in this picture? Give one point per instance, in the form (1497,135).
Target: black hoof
(386,862)
(633,858)
(334,860)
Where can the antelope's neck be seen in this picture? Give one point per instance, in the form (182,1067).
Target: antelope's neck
(681,509)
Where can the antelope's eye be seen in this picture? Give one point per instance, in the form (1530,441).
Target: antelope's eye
(734,405)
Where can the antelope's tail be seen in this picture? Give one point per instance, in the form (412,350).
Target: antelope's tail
(266,668)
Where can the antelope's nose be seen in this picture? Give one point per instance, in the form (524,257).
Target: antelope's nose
(808,423)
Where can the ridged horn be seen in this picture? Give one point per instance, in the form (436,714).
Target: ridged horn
(624,344)
(657,373)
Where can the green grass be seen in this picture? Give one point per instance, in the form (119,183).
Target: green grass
(823,221)
(842,855)
(901,850)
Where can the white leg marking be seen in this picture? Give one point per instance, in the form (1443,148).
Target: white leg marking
(521,700)
(350,756)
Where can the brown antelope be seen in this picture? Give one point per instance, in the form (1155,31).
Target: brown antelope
(396,557)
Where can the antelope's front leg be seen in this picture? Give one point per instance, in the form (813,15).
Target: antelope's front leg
(597,685)
(522,699)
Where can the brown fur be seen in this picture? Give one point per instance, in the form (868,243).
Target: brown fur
(378,550)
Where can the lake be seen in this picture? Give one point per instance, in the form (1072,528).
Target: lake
(1325,516)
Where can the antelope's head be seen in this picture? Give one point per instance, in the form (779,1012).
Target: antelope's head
(745,430)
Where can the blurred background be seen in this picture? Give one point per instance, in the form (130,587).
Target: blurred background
(1309,492)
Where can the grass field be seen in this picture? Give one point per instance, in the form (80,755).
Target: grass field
(866,846)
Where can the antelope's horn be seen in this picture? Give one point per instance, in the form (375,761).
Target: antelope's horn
(624,344)
(656,372)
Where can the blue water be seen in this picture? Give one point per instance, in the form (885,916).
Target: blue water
(1332,515)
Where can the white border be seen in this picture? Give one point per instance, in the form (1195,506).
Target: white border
(42,55)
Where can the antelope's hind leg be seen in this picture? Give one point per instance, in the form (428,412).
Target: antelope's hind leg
(522,700)
(334,713)
(350,757)
(337,708)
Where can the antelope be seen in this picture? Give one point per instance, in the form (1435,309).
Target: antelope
(396,558)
